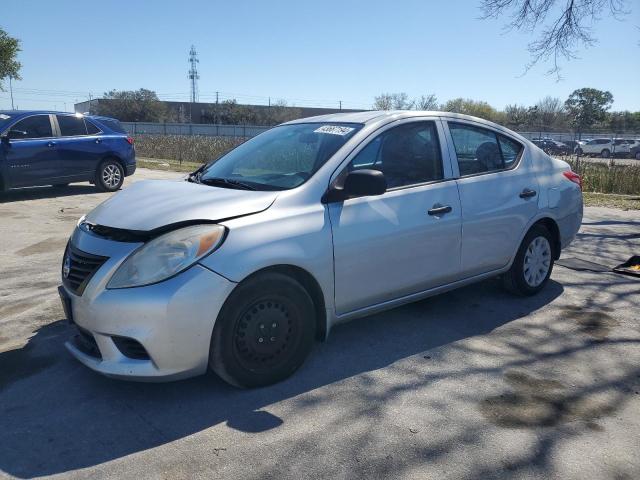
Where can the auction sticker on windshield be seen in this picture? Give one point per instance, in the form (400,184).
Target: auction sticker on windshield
(334,129)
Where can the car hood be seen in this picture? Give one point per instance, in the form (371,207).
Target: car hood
(151,204)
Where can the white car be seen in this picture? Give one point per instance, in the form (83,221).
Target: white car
(604,147)
(309,224)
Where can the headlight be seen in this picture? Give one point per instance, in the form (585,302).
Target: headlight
(167,255)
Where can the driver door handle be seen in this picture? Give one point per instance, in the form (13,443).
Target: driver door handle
(51,144)
(438,209)
(528,193)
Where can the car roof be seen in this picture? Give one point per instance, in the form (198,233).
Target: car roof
(392,115)
(16,113)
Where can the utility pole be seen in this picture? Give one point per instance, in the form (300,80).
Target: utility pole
(340,104)
(11,90)
(194,77)
(90,112)
(216,120)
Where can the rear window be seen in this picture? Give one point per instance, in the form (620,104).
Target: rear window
(91,128)
(71,126)
(112,124)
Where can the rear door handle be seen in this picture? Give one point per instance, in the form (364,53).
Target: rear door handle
(528,193)
(438,209)
(51,144)
(98,140)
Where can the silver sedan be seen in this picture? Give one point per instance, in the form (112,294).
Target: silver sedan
(239,267)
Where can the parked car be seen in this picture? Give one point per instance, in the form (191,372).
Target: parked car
(54,148)
(572,144)
(552,147)
(604,147)
(634,151)
(311,223)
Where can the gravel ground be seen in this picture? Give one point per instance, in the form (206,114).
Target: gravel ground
(471,384)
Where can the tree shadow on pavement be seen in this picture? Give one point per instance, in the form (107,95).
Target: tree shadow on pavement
(57,416)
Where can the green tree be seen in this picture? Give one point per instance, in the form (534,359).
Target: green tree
(621,122)
(9,65)
(132,106)
(516,116)
(586,106)
(471,107)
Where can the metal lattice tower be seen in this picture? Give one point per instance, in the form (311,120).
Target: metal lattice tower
(193,73)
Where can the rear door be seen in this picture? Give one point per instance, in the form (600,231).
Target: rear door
(80,147)
(498,194)
(408,239)
(31,154)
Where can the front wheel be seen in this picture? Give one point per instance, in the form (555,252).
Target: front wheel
(533,264)
(605,153)
(264,331)
(109,176)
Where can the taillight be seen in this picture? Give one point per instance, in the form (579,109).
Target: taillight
(130,140)
(573,177)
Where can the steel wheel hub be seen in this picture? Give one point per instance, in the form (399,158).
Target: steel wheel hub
(264,333)
(537,261)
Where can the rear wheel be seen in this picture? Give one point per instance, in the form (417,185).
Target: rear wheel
(109,176)
(605,153)
(264,331)
(533,264)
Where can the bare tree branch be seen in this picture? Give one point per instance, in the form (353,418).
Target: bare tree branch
(564,25)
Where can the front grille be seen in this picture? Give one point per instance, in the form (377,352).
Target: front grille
(86,343)
(130,348)
(81,267)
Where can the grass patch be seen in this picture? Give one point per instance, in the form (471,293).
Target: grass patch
(607,177)
(623,202)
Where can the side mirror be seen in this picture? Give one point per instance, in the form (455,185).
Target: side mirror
(17,134)
(359,183)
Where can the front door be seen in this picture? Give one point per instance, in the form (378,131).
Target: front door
(406,240)
(31,153)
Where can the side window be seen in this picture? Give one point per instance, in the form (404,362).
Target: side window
(36,126)
(91,128)
(480,150)
(407,155)
(510,150)
(71,126)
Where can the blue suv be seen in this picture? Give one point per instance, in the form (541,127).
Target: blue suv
(53,148)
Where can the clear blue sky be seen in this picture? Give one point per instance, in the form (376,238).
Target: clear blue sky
(309,53)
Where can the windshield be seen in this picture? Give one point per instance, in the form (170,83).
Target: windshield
(4,120)
(281,158)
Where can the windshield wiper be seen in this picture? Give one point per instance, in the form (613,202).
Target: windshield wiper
(225,181)
(195,175)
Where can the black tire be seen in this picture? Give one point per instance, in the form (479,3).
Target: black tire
(606,153)
(272,307)
(109,175)
(578,151)
(515,280)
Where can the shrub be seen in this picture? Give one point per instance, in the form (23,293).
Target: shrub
(181,148)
